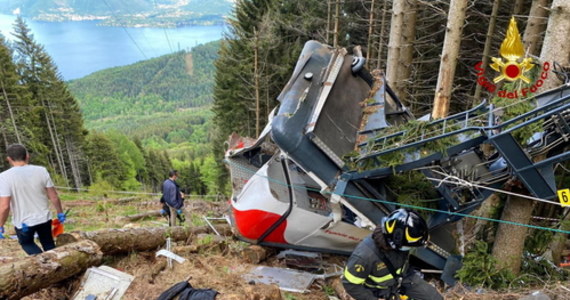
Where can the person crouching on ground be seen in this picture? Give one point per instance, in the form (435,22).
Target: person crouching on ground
(25,190)
(378,266)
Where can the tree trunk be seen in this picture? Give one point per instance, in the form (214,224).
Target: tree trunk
(509,241)
(371,24)
(57,146)
(407,50)
(558,243)
(449,57)
(554,47)
(139,239)
(382,33)
(72,155)
(33,273)
(256,80)
(336,20)
(50,128)
(535,26)
(395,44)
(487,47)
(518,7)
(557,32)
(474,227)
(328,21)
(16,131)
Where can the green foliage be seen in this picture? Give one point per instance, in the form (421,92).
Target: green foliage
(410,132)
(105,161)
(101,188)
(289,296)
(538,241)
(479,269)
(37,110)
(169,83)
(537,270)
(210,174)
(413,188)
(206,240)
(115,101)
(329,290)
(512,108)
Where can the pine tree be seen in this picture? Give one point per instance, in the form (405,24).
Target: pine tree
(104,160)
(11,96)
(60,126)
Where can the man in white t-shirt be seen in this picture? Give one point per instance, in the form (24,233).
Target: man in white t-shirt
(25,189)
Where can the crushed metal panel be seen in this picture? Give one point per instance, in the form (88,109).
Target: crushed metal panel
(103,282)
(287,279)
(334,129)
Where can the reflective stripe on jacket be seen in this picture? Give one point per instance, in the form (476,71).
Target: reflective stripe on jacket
(366,275)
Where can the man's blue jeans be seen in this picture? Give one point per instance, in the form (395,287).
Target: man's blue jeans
(26,239)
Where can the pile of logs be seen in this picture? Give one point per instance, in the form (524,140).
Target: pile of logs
(81,251)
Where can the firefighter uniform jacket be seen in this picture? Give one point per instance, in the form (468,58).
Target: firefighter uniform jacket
(366,276)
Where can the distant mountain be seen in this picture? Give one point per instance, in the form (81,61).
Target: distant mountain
(164,101)
(123,12)
(168,83)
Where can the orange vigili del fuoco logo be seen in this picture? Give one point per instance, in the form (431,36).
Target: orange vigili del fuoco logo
(512,66)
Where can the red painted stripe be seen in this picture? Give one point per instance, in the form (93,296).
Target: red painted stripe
(253,223)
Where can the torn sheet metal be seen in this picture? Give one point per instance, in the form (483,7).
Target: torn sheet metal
(170,255)
(104,283)
(287,279)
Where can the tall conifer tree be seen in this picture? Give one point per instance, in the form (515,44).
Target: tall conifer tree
(59,115)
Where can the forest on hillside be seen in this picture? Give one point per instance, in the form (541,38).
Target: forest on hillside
(38,110)
(431,53)
(167,83)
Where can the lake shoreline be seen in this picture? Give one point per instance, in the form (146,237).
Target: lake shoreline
(80,48)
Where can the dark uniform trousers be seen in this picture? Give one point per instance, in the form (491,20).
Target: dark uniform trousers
(366,276)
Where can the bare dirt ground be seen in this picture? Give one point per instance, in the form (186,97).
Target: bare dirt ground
(216,262)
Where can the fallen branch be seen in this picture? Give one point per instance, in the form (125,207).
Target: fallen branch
(131,218)
(33,273)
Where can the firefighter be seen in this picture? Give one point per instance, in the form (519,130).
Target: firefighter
(378,267)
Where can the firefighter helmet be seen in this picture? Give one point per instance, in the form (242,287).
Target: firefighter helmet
(405,228)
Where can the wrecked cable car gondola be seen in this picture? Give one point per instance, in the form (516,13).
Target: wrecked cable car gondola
(294,187)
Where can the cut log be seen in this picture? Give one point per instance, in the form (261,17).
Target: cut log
(113,241)
(131,218)
(124,240)
(33,273)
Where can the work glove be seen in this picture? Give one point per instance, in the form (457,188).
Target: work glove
(24,227)
(163,212)
(1,232)
(179,211)
(61,218)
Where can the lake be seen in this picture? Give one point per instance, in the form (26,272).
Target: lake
(80,48)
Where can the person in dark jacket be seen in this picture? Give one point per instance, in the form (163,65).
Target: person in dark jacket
(173,198)
(378,267)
